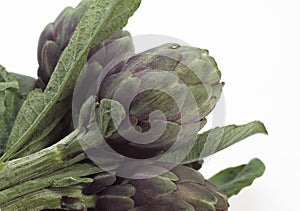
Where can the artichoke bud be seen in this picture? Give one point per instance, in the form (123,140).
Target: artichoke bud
(165,90)
(181,189)
(52,42)
(54,39)
(56,36)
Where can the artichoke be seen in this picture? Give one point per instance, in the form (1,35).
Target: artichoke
(194,67)
(181,82)
(181,189)
(56,36)
(53,40)
(146,105)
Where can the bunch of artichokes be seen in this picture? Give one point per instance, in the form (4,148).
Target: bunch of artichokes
(51,147)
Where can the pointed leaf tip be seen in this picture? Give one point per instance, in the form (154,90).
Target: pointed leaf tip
(232,180)
(260,127)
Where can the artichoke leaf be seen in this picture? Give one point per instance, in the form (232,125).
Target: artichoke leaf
(109,116)
(232,180)
(219,138)
(13,90)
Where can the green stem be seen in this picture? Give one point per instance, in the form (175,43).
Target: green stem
(69,198)
(41,163)
(71,175)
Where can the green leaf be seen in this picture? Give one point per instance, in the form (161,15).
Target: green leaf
(26,83)
(218,139)
(103,19)
(13,90)
(232,180)
(109,116)
(7,80)
(105,116)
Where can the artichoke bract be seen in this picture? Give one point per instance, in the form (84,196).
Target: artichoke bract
(55,38)
(163,90)
(181,189)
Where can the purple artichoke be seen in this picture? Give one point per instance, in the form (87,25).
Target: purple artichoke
(181,189)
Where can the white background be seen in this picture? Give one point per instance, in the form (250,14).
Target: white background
(256,44)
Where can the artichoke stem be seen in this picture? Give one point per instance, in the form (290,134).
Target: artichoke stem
(38,164)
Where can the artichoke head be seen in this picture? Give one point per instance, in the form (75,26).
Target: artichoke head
(181,189)
(181,82)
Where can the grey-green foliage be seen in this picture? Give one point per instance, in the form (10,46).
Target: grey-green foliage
(220,138)
(109,116)
(13,90)
(232,180)
(105,116)
(104,18)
